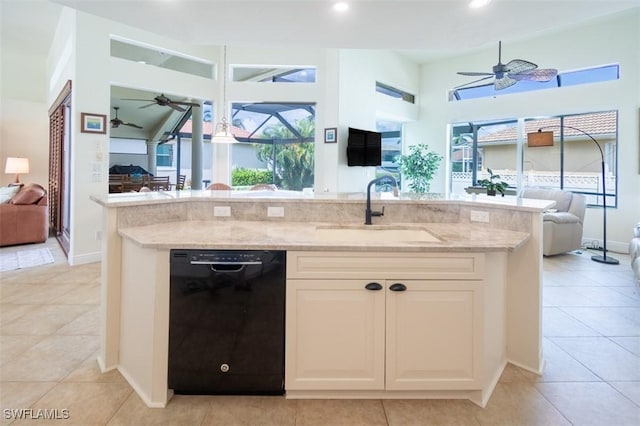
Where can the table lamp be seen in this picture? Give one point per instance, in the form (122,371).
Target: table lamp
(17,165)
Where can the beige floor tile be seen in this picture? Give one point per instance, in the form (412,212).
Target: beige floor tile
(511,374)
(50,360)
(338,412)
(602,356)
(632,344)
(419,412)
(10,312)
(89,371)
(11,347)
(518,404)
(181,411)
(629,389)
(87,403)
(82,274)
(81,294)
(606,321)
(20,395)
(608,297)
(591,403)
(44,320)
(34,294)
(566,296)
(87,324)
(560,366)
(556,322)
(251,410)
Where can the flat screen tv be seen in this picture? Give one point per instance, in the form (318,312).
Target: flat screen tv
(364,148)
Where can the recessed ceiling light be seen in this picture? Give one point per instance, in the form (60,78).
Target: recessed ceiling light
(475,4)
(341,6)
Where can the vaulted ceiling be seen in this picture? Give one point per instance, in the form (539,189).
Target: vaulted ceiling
(421,29)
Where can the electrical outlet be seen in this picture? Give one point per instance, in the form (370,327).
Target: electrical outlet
(479,216)
(98,235)
(222,211)
(275,211)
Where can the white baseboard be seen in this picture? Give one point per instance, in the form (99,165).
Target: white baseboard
(83,259)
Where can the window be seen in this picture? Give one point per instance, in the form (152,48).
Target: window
(391,148)
(279,138)
(149,55)
(569,78)
(572,163)
(265,74)
(395,93)
(164,155)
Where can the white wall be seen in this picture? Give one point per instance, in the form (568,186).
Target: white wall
(360,105)
(614,40)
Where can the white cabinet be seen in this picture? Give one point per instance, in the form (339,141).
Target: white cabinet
(334,335)
(433,337)
(408,334)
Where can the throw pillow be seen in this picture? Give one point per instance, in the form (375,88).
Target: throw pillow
(30,194)
(7,193)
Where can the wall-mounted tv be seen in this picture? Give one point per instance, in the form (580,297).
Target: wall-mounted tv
(364,148)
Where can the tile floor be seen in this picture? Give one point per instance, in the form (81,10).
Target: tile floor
(49,342)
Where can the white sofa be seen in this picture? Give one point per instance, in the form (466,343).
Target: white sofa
(634,251)
(562,224)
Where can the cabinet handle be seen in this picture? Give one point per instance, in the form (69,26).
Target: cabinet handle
(373,286)
(397,287)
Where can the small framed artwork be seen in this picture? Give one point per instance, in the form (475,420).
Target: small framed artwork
(331,135)
(93,123)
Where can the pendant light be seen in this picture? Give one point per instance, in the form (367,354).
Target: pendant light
(222,133)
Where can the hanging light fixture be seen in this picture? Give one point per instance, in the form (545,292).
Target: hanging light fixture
(222,133)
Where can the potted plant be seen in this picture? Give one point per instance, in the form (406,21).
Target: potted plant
(419,166)
(492,184)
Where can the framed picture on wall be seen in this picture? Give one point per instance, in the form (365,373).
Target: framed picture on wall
(93,123)
(331,135)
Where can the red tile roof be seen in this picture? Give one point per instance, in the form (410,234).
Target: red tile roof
(594,124)
(207,129)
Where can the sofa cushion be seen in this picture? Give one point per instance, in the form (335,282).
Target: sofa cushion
(7,193)
(562,198)
(560,217)
(30,194)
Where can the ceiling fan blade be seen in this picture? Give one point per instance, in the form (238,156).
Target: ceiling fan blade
(176,107)
(145,100)
(476,74)
(475,81)
(148,105)
(193,104)
(132,125)
(542,75)
(519,65)
(503,83)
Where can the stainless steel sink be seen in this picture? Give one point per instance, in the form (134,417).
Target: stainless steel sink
(374,233)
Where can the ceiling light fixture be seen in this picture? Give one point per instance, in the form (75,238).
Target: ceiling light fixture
(341,6)
(476,4)
(222,133)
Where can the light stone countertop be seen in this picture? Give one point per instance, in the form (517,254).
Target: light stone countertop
(282,196)
(256,235)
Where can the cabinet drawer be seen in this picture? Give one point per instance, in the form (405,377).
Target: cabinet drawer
(342,265)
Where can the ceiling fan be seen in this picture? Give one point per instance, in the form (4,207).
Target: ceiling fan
(510,73)
(162,100)
(116,122)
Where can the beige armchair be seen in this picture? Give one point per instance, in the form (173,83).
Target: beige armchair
(562,224)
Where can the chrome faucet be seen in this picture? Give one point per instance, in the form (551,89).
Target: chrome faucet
(368,213)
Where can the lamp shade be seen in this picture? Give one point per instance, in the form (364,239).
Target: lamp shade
(17,165)
(539,138)
(223,133)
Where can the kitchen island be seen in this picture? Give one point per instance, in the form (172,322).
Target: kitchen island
(471,269)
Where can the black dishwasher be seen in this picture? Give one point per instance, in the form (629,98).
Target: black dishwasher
(226,322)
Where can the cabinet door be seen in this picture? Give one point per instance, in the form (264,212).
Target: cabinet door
(334,335)
(433,335)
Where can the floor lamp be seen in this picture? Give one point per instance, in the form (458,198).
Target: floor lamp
(546,139)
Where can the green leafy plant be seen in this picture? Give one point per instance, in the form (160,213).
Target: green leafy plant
(420,165)
(492,184)
(246,177)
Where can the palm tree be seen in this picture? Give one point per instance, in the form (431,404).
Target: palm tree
(293,161)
